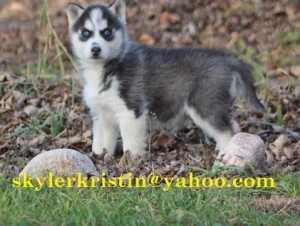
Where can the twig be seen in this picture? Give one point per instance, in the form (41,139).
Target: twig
(60,43)
(181,170)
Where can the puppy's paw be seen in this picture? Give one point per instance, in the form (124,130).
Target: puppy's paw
(105,156)
(99,153)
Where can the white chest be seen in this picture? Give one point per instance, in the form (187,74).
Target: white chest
(99,100)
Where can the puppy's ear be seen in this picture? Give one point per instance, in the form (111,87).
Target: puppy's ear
(118,8)
(74,11)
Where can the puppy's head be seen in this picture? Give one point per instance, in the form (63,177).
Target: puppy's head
(97,32)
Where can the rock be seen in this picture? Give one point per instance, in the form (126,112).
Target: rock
(30,110)
(241,150)
(61,163)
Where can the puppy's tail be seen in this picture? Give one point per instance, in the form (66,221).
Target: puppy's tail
(246,88)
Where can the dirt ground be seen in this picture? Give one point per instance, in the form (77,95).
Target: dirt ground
(38,112)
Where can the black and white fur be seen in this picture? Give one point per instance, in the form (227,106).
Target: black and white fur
(125,81)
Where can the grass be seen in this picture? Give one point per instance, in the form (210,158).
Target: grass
(288,40)
(291,38)
(39,125)
(49,70)
(249,55)
(55,124)
(150,206)
(279,114)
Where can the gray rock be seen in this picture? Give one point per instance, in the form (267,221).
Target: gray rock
(61,163)
(30,110)
(241,150)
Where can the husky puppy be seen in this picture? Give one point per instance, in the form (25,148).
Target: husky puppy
(125,83)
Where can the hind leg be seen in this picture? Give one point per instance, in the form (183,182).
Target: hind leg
(221,134)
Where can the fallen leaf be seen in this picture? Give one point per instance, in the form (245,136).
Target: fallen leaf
(146,39)
(277,146)
(288,153)
(165,18)
(126,160)
(75,140)
(295,70)
(37,141)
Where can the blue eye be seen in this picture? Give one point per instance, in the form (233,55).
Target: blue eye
(85,33)
(106,33)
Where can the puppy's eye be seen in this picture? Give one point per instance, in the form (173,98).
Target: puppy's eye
(85,33)
(106,33)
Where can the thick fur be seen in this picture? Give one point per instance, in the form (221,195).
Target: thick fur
(127,82)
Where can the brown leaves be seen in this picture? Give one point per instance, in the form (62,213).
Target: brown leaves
(37,117)
(276,204)
(168,156)
(164,139)
(277,146)
(286,153)
(167,19)
(14,98)
(146,39)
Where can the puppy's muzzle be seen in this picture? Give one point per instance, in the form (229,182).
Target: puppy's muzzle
(96,51)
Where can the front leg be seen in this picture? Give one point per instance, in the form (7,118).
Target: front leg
(105,134)
(134,133)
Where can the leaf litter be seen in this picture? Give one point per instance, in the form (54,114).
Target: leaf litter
(40,113)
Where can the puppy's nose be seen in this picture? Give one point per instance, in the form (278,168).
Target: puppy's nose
(96,51)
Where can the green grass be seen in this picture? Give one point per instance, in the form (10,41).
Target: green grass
(151,206)
(288,40)
(289,185)
(39,125)
(291,38)
(279,114)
